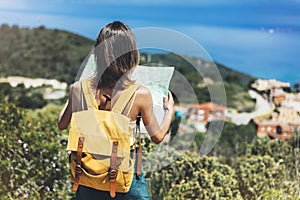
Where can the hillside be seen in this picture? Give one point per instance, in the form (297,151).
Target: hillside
(57,54)
(41,52)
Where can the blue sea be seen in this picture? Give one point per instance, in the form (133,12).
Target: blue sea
(261,53)
(266,54)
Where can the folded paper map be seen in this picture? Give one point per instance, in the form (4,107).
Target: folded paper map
(157,79)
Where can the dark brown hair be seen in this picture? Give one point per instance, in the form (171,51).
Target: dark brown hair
(116,54)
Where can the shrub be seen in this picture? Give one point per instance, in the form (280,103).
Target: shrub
(33,160)
(257,175)
(192,177)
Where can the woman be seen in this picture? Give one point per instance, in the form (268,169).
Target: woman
(116,56)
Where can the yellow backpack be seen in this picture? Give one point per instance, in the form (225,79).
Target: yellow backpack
(100,142)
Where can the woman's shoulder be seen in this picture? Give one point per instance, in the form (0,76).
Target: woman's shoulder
(143,91)
(143,96)
(75,90)
(76,85)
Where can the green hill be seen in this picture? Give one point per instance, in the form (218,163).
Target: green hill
(41,52)
(57,54)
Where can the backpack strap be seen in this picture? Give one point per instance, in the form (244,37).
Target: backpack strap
(139,157)
(124,98)
(113,172)
(78,162)
(88,94)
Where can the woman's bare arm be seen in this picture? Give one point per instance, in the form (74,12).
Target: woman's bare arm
(65,114)
(157,132)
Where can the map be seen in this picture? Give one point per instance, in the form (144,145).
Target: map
(157,79)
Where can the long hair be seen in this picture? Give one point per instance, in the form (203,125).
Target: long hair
(116,54)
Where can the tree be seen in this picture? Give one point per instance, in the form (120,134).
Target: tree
(234,140)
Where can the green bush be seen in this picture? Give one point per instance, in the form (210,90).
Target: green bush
(279,194)
(285,152)
(33,159)
(192,177)
(31,98)
(258,175)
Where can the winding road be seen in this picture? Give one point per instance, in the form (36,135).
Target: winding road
(262,107)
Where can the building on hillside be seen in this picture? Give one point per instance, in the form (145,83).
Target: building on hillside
(285,121)
(206,112)
(288,116)
(53,89)
(274,88)
(278,96)
(201,114)
(292,101)
(34,82)
(264,85)
(275,129)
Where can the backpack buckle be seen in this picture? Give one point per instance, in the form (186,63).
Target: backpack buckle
(113,174)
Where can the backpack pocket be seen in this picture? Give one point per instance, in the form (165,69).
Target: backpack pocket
(95,172)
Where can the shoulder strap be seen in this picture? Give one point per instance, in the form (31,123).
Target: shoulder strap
(88,94)
(124,98)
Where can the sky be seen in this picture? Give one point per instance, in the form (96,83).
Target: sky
(257,37)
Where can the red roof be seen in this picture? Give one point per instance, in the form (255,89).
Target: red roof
(208,105)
